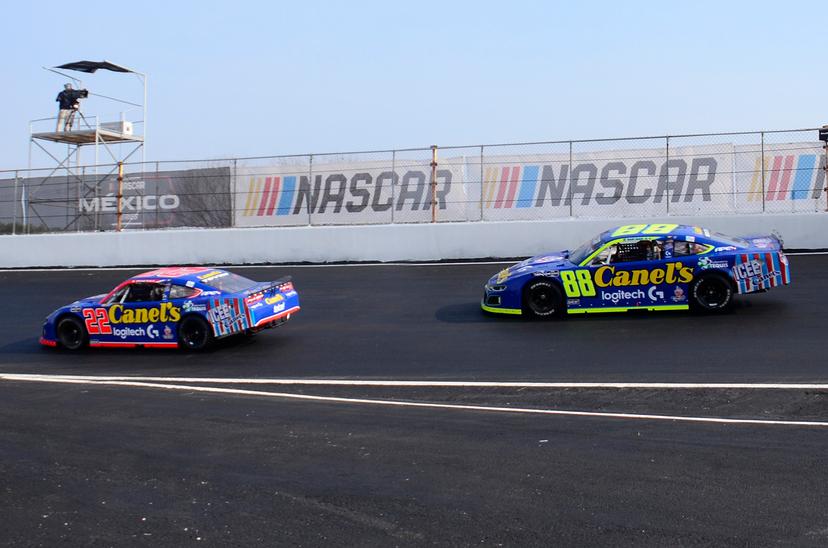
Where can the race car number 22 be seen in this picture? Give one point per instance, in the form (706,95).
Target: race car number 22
(97,321)
(577,283)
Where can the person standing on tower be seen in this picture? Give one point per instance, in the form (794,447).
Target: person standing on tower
(69,103)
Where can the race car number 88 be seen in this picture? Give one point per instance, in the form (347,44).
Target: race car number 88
(577,283)
(644,229)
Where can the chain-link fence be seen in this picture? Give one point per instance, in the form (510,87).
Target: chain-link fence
(713,174)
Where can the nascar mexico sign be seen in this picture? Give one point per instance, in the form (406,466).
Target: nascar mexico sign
(194,197)
(641,182)
(347,193)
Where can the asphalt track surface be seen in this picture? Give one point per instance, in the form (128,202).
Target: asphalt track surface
(113,464)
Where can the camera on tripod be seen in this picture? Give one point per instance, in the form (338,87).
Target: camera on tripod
(77,94)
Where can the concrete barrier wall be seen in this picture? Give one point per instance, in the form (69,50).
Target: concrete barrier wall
(321,244)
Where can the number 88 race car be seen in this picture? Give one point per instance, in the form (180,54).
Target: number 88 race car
(169,307)
(643,266)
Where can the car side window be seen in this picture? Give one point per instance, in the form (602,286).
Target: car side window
(145,292)
(684,249)
(631,251)
(642,250)
(182,291)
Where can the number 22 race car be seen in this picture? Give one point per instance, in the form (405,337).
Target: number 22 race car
(188,307)
(643,266)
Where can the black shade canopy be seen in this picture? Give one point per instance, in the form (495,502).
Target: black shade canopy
(92,66)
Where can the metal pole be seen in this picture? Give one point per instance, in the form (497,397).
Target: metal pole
(144,143)
(155,187)
(235,187)
(81,188)
(482,183)
(825,167)
(433,183)
(569,190)
(120,193)
(762,141)
(14,203)
(667,171)
(393,176)
(310,188)
(24,208)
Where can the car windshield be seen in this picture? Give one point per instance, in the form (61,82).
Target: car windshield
(230,283)
(577,256)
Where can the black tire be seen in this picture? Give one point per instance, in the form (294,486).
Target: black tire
(543,299)
(194,333)
(711,293)
(71,333)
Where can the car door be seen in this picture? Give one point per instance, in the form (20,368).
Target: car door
(641,273)
(139,314)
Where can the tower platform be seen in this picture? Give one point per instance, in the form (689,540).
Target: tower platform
(88,137)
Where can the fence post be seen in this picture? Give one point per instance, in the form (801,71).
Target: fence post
(667,172)
(825,168)
(234,192)
(120,194)
(24,208)
(81,189)
(155,188)
(762,145)
(482,183)
(569,188)
(14,205)
(433,183)
(393,189)
(310,187)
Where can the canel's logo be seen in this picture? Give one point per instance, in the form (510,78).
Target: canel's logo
(642,181)
(787,177)
(292,195)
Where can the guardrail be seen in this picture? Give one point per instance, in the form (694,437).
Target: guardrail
(645,177)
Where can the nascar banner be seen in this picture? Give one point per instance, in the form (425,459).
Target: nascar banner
(618,183)
(785,178)
(9,204)
(348,193)
(184,198)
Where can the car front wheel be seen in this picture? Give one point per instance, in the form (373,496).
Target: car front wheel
(71,333)
(543,299)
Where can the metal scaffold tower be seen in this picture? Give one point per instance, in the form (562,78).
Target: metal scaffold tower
(53,196)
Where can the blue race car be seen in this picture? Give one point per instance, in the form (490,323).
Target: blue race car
(186,307)
(643,266)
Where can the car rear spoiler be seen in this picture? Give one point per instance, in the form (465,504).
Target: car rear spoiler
(763,240)
(282,284)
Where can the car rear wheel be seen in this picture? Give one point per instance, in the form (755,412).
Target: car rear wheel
(711,293)
(71,333)
(194,333)
(543,299)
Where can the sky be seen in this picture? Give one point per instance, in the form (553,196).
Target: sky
(229,79)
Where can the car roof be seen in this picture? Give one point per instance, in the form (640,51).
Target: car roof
(679,230)
(183,273)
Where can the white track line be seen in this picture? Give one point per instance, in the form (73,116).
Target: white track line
(346,265)
(391,403)
(429,384)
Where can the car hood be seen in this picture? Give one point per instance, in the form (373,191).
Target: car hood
(94,299)
(553,260)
